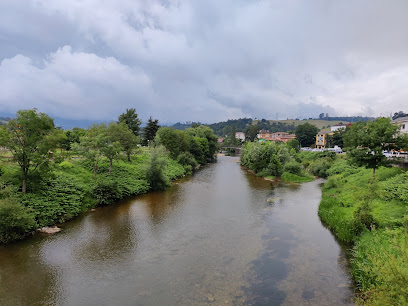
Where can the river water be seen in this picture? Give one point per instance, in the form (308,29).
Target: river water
(221,237)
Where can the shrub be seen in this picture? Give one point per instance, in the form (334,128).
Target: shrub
(187,160)
(320,167)
(293,167)
(105,191)
(155,172)
(396,188)
(15,220)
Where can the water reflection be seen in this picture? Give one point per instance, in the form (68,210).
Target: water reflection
(222,236)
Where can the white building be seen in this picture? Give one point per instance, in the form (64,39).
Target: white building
(403,123)
(337,127)
(240,136)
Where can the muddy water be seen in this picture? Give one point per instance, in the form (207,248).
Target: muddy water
(222,237)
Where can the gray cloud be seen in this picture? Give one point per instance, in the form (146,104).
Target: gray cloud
(204,60)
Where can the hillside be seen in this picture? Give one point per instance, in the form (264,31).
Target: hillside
(321,124)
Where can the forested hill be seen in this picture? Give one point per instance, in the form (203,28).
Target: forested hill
(241,125)
(4,120)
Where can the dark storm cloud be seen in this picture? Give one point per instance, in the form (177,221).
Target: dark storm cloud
(204,60)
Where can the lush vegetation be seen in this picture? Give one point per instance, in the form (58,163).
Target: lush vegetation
(54,175)
(274,160)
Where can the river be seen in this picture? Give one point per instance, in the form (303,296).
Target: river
(221,237)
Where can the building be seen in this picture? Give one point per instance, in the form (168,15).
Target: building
(403,123)
(322,138)
(240,136)
(337,127)
(278,136)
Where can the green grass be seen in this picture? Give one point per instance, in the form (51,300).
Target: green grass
(380,254)
(289,177)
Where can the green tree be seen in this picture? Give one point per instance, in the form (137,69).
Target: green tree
(120,132)
(175,141)
(72,136)
(212,140)
(337,138)
(150,130)
(366,141)
(293,143)
(251,132)
(92,144)
(155,172)
(30,139)
(306,134)
(131,119)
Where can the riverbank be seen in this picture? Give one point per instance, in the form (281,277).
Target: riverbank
(70,189)
(373,215)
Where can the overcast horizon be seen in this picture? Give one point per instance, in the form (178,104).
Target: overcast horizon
(205,61)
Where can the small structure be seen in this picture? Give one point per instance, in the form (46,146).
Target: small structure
(403,123)
(240,136)
(220,140)
(278,136)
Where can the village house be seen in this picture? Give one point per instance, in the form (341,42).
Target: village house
(278,136)
(240,136)
(322,138)
(403,123)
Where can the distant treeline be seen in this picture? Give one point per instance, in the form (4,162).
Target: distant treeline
(240,125)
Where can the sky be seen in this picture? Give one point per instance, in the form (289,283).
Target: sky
(205,61)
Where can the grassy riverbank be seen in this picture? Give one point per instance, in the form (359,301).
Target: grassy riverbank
(373,214)
(69,189)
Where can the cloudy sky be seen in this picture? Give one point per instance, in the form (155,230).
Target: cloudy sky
(206,60)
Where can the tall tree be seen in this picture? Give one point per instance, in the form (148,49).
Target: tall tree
(366,141)
(130,117)
(306,134)
(30,139)
(150,130)
(251,132)
(92,144)
(120,132)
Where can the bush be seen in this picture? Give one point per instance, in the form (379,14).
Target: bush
(396,188)
(155,172)
(320,168)
(293,167)
(15,220)
(105,191)
(187,160)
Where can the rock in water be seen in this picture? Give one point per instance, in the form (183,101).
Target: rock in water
(49,230)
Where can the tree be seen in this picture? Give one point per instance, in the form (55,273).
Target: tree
(366,141)
(337,138)
(150,130)
(293,143)
(175,141)
(155,172)
(251,132)
(306,134)
(399,115)
(92,144)
(120,132)
(131,119)
(30,139)
(110,150)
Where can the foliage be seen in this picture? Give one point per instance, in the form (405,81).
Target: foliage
(187,160)
(306,134)
(251,132)
(149,132)
(380,267)
(396,188)
(16,221)
(289,177)
(294,144)
(105,191)
(155,172)
(121,133)
(130,118)
(293,167)
(30,139)
(92,144)
(320,167)
(366,141)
